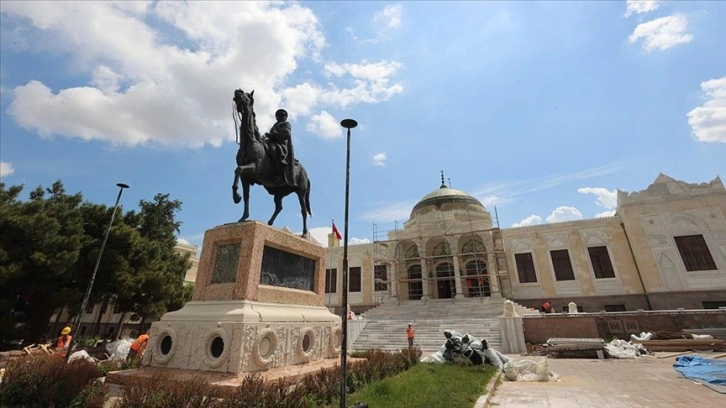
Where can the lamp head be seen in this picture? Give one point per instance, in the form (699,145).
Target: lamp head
(348,123)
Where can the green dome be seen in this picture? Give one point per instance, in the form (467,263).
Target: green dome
(445,198)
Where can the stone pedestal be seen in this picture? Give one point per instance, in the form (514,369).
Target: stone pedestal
(257,304)
(512,335)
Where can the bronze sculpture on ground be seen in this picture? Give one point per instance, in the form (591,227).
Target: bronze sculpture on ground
(267,160)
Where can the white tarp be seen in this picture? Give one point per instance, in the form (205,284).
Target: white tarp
(119,349)
(529,370)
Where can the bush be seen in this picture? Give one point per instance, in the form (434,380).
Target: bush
(47,381)
(314,390)
(165,392)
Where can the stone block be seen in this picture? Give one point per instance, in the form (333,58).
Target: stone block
(257,304)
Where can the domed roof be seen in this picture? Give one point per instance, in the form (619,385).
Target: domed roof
(444,198)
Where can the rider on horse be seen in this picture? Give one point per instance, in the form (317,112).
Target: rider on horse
(280,137)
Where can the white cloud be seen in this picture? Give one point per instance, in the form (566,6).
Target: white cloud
(379,159)
(564,213)
(531,220)
(358,241)
(182,241)
(491,200)
(389,212)
(370,83)
(320,234)
(325,126)
(640,7)
(170,85)
(662,33)
(6,169)
(605,214)
(605,198)
(384,21)
(389,17)
(708,121)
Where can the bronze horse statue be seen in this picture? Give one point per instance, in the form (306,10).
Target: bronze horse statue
(255,165)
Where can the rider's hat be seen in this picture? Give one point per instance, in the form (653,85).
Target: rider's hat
(279,111)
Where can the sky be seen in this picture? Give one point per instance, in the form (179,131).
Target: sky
(541,110)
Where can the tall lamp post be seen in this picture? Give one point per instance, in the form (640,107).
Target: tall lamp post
(79,318)
(348,124)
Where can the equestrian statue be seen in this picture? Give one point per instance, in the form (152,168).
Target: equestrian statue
(268,160)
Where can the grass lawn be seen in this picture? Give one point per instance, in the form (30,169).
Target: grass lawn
(428,385)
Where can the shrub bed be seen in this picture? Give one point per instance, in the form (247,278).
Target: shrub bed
(318,389)
(47,381)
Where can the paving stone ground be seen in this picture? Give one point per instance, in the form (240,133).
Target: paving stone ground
(646,381)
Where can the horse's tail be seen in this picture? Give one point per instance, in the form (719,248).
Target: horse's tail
(307,199)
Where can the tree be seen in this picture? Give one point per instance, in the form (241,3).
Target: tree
(157,280)
(39,248)
(48,249)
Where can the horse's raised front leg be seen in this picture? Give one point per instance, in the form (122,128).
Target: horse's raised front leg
(278,208)
(246,196)
(235,195)
(304,210)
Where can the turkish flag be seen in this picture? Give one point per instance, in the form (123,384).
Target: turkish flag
(336,232)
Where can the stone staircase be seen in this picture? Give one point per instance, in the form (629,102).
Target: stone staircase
(386,324)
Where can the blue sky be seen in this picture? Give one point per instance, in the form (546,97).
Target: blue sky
(542,109)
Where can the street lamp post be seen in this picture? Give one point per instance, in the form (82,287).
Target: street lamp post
(348,124)
(79,318)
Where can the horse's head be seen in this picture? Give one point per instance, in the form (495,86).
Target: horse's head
(243,100)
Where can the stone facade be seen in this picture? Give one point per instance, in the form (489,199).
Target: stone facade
(629,261)
(257,304)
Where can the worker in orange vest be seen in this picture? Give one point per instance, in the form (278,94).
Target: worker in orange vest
(139,346)
(409,335)
(64,340)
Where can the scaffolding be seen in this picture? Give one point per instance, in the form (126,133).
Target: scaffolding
(433,267)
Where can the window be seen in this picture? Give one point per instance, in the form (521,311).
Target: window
(714,304)
(412,252)
(601,262)
(117,308)
(525,268)
(695,253)
(415,284)
(477,281)
(441,249)
(563,266)
(380,274)
(89,308)
(354,279)
(614,308)
(472,246)
(331,280)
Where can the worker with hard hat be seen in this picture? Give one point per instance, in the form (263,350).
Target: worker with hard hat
(138,346)
(64,340)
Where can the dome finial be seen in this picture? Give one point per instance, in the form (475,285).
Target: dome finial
(443,184)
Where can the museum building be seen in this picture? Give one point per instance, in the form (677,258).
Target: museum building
(664,249)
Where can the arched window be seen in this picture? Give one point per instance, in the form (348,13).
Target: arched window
(415,284)
(441,249)
(412,252)
(445,284)
(472,246)
(477,280)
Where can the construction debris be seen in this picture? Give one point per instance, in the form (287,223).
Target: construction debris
(575,347)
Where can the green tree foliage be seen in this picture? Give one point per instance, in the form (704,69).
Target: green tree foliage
(41,242)
(49,246)
(156,279)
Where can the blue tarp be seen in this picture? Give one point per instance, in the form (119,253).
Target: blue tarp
(708,370)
